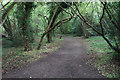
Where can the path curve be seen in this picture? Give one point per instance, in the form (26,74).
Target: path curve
(67,62)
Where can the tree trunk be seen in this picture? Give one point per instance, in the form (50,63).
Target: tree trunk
(49,37)
(26,44)
(84,30)
(53,15)
(25,26)
(50,23)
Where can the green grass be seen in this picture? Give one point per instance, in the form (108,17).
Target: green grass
(98,44)
(102,53)
(66,35)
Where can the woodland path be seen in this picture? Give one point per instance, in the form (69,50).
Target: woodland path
(67,62)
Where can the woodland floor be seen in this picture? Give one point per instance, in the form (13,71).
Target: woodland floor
(70,61)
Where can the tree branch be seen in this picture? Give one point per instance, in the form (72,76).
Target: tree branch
(110,17)
(83,19)
(7,12)
(63,9)
(102,29)
(58,23)
(3,6)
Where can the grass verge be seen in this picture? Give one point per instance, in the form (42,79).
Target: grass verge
(101,55)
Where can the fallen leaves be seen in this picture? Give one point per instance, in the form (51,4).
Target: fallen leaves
(16,58)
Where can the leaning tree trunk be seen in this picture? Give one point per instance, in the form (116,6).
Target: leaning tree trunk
(51,29)
(57,12)
(51,21)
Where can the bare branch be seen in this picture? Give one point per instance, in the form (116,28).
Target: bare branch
(3,6)
(83,19)
(70,7)
(102,29)
(61,21)
(7,12)
(110,17)
(63,9)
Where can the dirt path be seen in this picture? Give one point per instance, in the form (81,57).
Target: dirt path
(68,62)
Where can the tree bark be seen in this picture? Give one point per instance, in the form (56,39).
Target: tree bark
(51,22)
(56,12)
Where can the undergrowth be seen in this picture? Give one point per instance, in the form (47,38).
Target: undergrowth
(101,57)
(15,57)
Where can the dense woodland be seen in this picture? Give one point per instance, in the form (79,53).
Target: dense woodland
(31,25)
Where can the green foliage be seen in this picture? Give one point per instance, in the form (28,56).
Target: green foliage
(6,43)
(23,15)
(76,27)
(17,40)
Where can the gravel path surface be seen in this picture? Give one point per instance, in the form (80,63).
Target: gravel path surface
(67,62)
